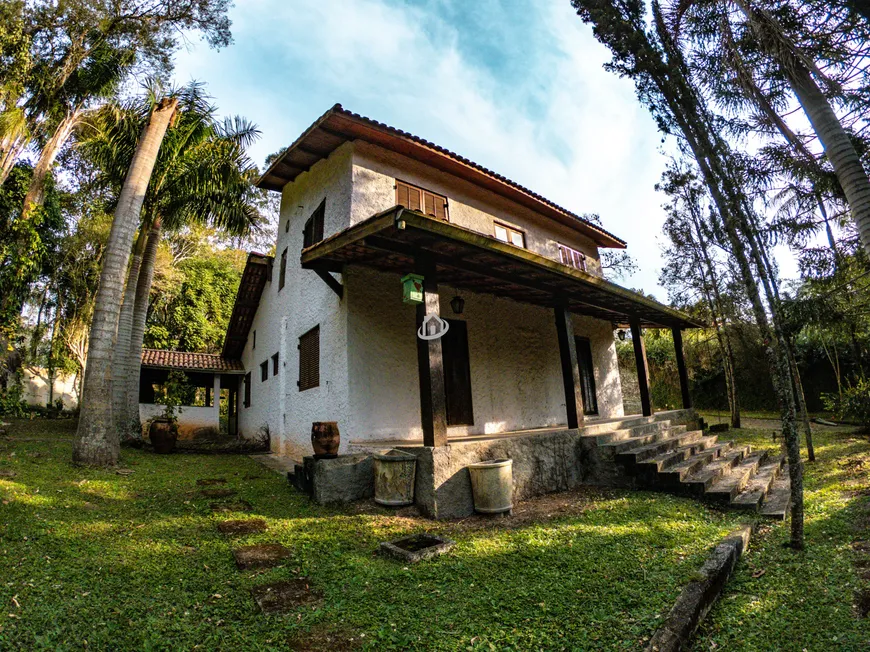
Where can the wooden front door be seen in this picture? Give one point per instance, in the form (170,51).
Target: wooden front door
(457,374)
(587,375)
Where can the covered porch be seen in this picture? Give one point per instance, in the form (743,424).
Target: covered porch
(403,241)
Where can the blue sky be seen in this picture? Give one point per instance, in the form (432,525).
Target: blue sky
(516,86)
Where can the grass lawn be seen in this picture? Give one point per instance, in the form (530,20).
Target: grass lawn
(106,561)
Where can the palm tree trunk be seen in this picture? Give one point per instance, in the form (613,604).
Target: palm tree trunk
(137,331)
(35,196)
(97,440)
(801,401)
(835,141)
(11,148)
(120,367)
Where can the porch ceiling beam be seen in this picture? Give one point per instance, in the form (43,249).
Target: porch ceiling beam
(331,281)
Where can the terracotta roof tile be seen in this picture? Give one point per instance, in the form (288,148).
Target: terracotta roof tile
(188,361)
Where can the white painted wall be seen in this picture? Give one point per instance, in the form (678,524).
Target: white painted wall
(375,171)
(34,388)
(516,379)
(304,302)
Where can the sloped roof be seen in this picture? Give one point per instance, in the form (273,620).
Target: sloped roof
(338,126)
(160,359)
(258,269)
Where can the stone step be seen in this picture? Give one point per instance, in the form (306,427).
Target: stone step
(666,460)
(672,476)
(617,424)
(777,502)
(661,443)
(625,445)
(698,482)
(726,487)
(756,490)
(633,431)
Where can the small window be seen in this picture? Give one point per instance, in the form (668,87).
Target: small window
(287,226)
(254,344)
(275,365)
(510,235)
(309,359)
(264,371)
(418,199)
(572,258)
(313,232)
(282,275)
(248,389)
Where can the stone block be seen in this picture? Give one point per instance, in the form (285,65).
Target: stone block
(341,480)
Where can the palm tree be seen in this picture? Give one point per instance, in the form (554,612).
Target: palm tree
(202,175)
(97,441)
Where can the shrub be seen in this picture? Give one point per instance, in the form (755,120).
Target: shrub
(853,405)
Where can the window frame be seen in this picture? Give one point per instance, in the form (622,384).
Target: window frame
(246,401)
(275,359)
(570,253)
(264,371)
(310,376)
(312,231)
(511,230)
(282,273)
(423,192)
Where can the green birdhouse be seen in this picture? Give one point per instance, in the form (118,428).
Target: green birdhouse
(412,288)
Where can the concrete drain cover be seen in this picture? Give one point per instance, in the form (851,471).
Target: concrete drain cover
(217,493)
(262,555)
(281,597)
(208,482)
(416,547)
(243,526)
(238,506)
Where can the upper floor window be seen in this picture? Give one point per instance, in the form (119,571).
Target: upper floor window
(275,365)
(264,371)
(247,400)
(254,343)
(509,235)
(418,199)
(313,232)
(572,258)
(282,274)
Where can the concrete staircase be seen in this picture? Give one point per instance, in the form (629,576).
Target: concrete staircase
(658,455)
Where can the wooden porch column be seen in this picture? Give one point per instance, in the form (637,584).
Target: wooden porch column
(570,369)
(642,366)
(681,367)
(430,361)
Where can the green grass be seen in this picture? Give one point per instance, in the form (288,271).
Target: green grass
(135,562)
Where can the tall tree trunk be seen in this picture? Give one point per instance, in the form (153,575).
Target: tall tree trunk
(120,366)
(97,440)
(137,331)
(835,141)
(801,401)
(35,196)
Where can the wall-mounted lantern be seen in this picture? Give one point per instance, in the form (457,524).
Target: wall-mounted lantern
(621,335)
(458,305)
(412,288)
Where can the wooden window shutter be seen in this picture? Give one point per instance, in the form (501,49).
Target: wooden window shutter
(248,389)
(408,196)
(309,359)
(313,231)
(282,275)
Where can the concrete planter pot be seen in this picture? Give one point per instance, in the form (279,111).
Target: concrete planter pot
(394,478)
(163,434)
(492,484)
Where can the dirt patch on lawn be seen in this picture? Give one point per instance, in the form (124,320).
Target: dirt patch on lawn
(242,526)
(325,637)
(284,596)
(208,482)
(237,506)
(261,555)
(217,493)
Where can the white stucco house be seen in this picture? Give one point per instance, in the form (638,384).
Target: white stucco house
(322,331)
(426,303)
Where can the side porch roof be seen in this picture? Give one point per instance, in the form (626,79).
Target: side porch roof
(392,240)
(198,362)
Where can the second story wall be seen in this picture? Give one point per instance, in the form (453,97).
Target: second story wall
(375,171)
